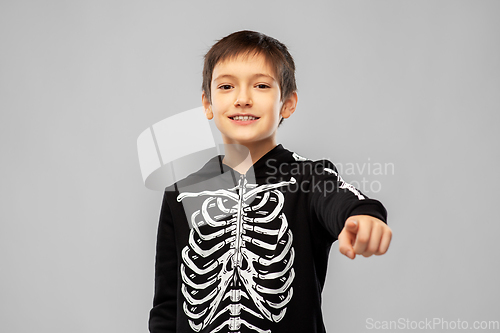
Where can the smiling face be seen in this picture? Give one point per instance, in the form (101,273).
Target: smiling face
(246,104)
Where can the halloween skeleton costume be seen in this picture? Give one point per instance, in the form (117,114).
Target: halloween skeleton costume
(243,254)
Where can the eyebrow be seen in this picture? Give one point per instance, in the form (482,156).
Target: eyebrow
(253,76)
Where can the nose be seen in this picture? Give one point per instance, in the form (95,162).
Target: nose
(243,99)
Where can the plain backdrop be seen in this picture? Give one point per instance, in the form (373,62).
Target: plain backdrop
(414,85)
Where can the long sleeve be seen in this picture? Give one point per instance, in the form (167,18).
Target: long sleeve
(338,200)
(163,315)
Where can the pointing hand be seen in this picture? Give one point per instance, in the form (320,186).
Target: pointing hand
(365,235)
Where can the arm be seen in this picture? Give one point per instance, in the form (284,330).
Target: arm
(162,317)
(358,222)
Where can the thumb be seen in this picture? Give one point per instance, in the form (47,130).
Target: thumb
(347,238)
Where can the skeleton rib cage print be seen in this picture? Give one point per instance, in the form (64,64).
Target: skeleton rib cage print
(237,269)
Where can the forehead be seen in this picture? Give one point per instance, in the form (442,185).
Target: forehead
(243,66)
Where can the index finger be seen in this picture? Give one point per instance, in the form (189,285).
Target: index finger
(363,236)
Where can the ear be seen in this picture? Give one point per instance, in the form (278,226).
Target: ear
(289,105)
(207,106)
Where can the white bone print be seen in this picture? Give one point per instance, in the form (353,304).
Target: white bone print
(238,267)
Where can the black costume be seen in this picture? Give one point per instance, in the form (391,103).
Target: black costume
(243,254)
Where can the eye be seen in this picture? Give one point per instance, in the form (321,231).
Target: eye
(263,86)
(225,87)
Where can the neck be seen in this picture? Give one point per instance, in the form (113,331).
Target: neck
(242,157)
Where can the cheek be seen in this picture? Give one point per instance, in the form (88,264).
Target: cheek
(220,102)
(276,103)
(217,122)
(277,107)
(218,113)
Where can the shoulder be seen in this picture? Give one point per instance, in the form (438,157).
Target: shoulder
(298,164)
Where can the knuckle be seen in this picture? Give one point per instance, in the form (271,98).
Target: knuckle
(359,250)
(363,239)
(372,248)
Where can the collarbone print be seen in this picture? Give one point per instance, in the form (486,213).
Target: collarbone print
(238,266)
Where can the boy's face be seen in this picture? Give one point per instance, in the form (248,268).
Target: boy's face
(246,104)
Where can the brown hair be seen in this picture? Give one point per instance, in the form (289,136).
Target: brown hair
(246,42)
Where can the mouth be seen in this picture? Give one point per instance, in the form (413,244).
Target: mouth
(244,118)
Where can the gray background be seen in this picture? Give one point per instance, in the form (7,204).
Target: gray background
(412,83)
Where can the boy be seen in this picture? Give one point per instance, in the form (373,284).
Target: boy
(243,243)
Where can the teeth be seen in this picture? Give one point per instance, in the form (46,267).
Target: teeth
(244,118)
